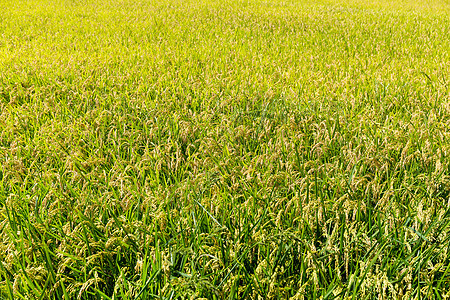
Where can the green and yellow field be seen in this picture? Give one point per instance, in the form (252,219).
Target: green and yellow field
(184,149)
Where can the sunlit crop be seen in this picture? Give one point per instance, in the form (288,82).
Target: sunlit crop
(188,149)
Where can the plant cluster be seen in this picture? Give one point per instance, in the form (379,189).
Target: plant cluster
(210,149)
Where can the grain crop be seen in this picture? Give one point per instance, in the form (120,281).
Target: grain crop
(233,149)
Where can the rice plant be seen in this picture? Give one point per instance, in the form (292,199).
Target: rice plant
(241,149)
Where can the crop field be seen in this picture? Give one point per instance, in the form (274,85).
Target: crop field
(224,149)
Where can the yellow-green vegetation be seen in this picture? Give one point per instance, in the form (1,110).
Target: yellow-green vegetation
(184,149)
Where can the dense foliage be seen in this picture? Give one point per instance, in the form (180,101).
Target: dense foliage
(224,149)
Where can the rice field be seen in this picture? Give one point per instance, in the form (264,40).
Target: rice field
(235,149)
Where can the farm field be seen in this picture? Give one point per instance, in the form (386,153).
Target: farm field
(168,149)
